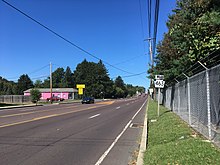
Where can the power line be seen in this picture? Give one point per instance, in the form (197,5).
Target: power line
(149,18)
(36,78)
(125,61)
(63,38)
(141,15)
(37,70)
(157,5)
(131,75)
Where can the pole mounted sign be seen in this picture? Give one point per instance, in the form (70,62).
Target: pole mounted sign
(159,83)
(159,77)
(80,88)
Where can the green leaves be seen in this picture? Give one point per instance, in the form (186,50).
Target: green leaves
(35,95)
(95,77)
(24,83)
(193,33)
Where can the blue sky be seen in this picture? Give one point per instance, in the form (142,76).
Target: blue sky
(108,29)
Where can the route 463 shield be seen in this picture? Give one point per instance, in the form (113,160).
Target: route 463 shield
(159,83)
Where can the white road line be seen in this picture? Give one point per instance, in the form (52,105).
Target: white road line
(93,116)
(27,110)
(117,138)
(117,107)
(127,104)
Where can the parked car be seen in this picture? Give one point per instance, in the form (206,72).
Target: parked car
(88,100)
(55,98)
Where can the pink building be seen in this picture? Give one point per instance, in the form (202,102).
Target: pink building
(66,93)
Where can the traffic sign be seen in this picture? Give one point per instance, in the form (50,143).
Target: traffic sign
(159,77)
(159,83)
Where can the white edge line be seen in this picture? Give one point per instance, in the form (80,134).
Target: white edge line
(143,139)
(93,116)
(117,138)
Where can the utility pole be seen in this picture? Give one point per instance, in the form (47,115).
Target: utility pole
(51,83)
(152,64)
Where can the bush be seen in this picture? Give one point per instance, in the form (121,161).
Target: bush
(35,95)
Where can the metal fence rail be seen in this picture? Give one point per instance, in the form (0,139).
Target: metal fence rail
(197,101)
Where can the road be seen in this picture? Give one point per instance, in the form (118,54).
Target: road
(72,134)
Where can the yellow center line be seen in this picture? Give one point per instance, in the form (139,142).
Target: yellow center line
(106,102)
(69,107)
(26,113)
(49,116)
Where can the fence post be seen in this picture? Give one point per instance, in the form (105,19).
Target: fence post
(189,105)
(208,99)
(178,96)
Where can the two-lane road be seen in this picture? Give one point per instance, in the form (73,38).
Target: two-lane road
(71,134)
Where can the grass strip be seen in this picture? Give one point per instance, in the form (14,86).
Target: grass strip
(171,141)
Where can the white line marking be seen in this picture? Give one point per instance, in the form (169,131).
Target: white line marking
(94,116)
(117,138)
(127,104)
(117,107)
(27,110)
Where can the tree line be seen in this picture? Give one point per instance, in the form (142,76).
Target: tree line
(193,33)
(94,75)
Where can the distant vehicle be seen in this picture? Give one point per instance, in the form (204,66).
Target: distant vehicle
(55,98)
(88,100)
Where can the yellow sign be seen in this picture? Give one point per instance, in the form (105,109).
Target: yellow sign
(80,88)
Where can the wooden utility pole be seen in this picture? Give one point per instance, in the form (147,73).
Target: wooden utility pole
(152,65)
(51,84)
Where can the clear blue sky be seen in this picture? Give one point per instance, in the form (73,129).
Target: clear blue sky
(108,29)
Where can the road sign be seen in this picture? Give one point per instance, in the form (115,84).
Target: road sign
(159,83)
(159,77)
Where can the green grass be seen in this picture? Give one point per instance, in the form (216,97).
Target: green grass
(172,141)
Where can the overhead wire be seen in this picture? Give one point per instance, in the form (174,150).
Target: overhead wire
(149,18)
(65,39)
(156,13)
(131,75)
(37,70)
(29,73)
(125,61)
(142,25)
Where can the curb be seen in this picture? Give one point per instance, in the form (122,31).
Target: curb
(143,145)
(19,106)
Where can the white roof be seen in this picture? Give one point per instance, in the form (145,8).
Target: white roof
(42,90)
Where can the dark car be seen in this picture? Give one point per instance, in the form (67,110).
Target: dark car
(88,100)
(55,98)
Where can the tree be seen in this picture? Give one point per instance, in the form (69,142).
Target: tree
(24,83)
(7,87)
(193,33)
(120,88)
(46,83)
(95,77)
(58,78)
(35,95)
(38,84)
(68,78)
(131,90)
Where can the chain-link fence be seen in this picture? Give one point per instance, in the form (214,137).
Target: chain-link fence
(14,99)
(197,101)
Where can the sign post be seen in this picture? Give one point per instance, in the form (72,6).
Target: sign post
(159,83)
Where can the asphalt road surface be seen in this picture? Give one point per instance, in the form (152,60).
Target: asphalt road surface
(106,133)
